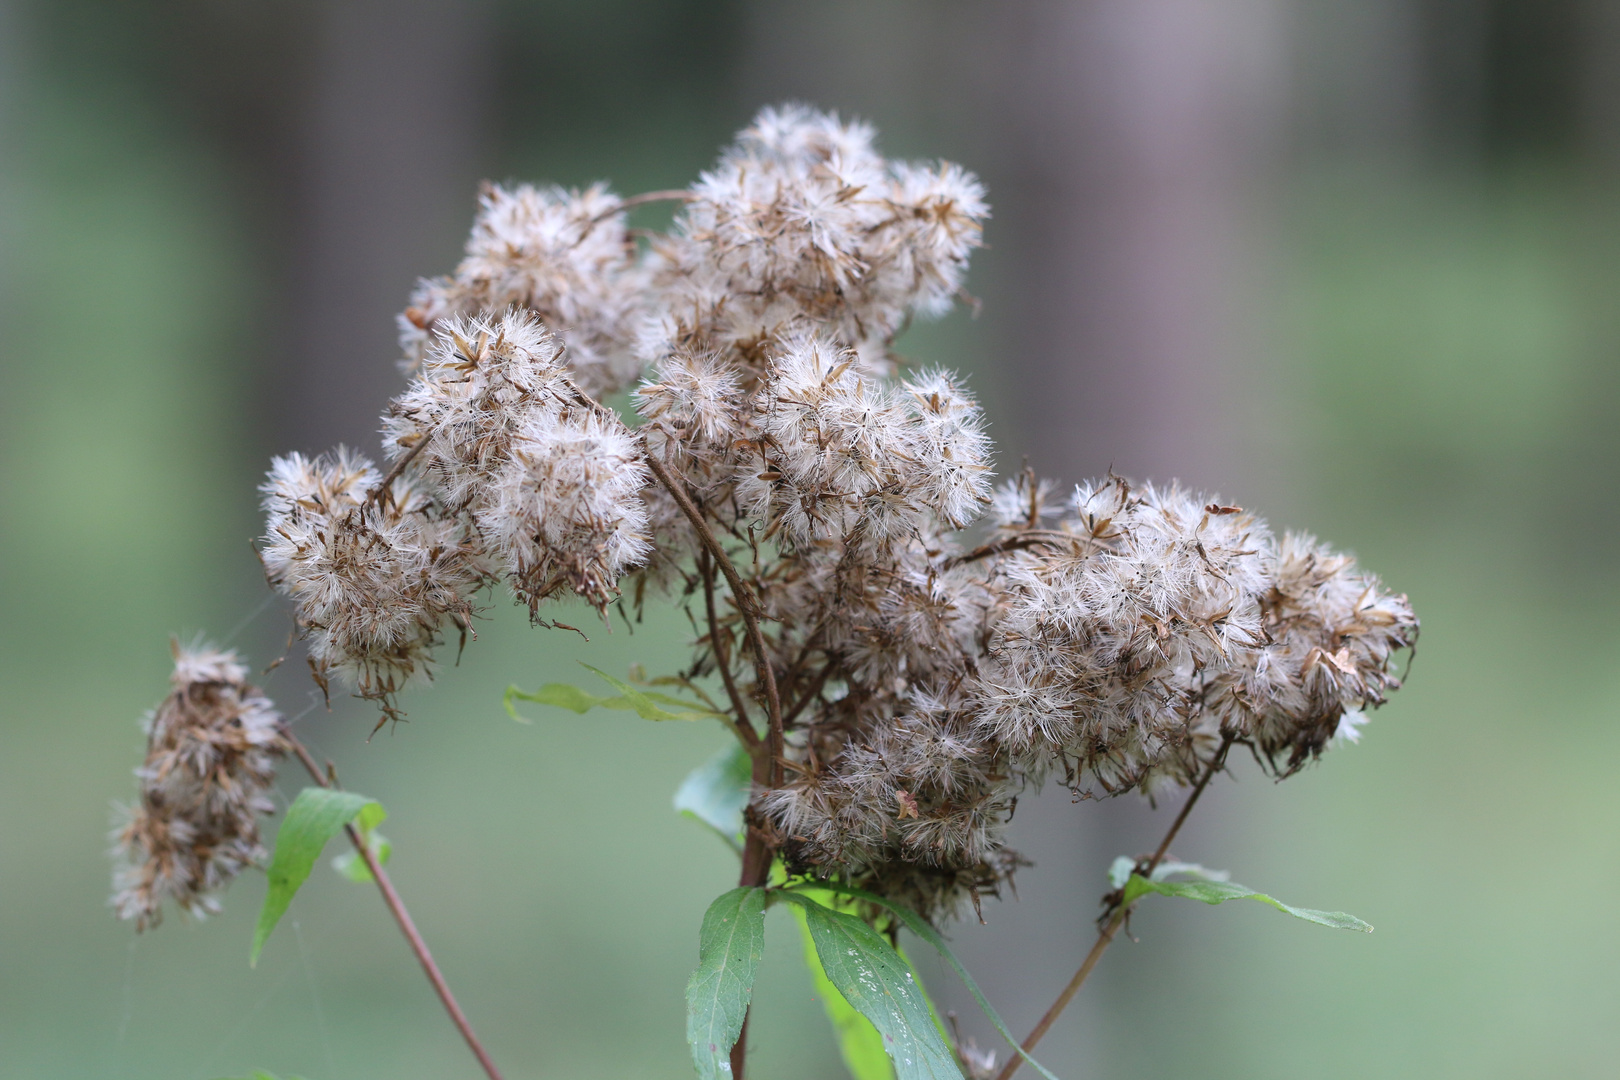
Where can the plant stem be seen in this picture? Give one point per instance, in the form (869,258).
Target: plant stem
(767,769)
(756,870)
(643,199)
(722,659)
(746,604)
(385,486)
(1116,920)
(1001,547)
(739,1049)
(403,917)
(756,860)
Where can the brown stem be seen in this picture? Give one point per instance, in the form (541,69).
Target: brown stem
(385,485)
(739,1049)
(1116,920)
(403,917)
(746,604)
(722,659)
(744,597)
(671,195)
(1001,547)
(808,696)
(756,869)
(756,861)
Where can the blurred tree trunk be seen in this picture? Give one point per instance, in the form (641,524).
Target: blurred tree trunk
(387,181)
(1144,133)
(1600,81)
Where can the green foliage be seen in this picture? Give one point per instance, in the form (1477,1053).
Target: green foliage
(314,818)
(1123,867)
(921,927)
(647,704)
(716,792)
(260,1074)
(730,946)
(859,1043)
(878,982)
(1210,889)
(350,864)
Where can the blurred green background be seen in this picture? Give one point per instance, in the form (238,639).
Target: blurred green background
(1354,263)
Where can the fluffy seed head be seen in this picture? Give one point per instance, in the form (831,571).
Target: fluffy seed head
(562,255)
(803,227)
(1332,632)
(483,379)
(211,754)
(925,674)
(1112,633)
(565,511)
(374,578)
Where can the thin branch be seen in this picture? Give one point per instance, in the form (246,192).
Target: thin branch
(671,195)
(385,485)
(403,917)
(722,659)
(809,695)
(739,1049)
(746,604)
(1117,919)
(756,860)
(1001,547)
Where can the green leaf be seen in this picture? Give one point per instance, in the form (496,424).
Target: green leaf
(648,704)
(921,927)
(1189,869)
(859,1043)
(730,946)
(879,984)
(1120,870)
(1123,867)
(1218,892)
(716,792)
(350,864)
(562,695)
(313,819)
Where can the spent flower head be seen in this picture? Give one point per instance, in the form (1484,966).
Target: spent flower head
(211,752)
(563,255)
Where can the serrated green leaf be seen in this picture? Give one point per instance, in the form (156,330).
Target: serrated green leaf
(923,929)
(859,1043)
(730,946)
(716,793)
(648,704)
(878,982)
(314,817)
(1218,892)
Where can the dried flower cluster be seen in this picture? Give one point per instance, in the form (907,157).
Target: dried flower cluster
(897,684)
(561,254)
(1153,624)
(502,471)
(211,753)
